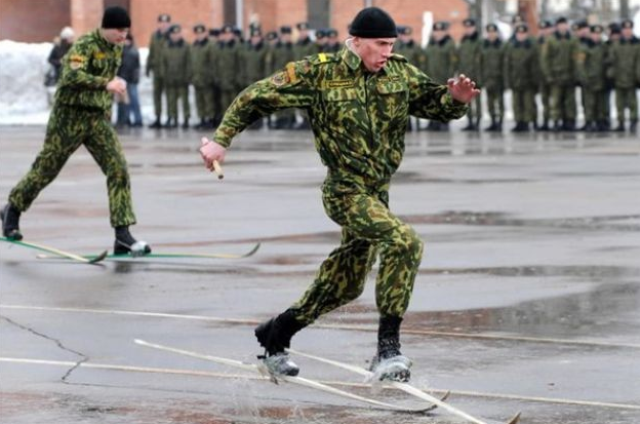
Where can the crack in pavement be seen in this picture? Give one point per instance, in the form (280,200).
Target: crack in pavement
(84,358)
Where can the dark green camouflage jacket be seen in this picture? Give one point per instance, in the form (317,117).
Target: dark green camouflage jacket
(358,118)
(86,69)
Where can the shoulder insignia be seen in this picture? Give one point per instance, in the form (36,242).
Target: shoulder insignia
(76,61)
(291,72)
(322,58)
(99,55)
(280,78)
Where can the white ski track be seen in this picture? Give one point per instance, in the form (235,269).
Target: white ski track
(57,252)
(405,387)
(294,380)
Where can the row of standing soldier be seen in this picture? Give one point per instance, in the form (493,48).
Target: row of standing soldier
(219,65)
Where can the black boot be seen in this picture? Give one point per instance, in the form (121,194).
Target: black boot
(557,126)
(156,124)
(125,244)
(201,125)
(185,124)
(275,336)
(569,125)
(493,126)
(11,222)
(389,363)
(633,126)
(469,126)
(544,126)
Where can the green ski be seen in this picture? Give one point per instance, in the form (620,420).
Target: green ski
(93,259)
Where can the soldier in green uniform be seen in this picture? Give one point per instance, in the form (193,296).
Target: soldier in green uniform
(253,58)
(81,115)
(442,59)
(304,46)
(333,43)
(407,47)
(154,65)
(625,65)
(283,53)
(614,34)
(592,69)
(214,50)
(558,68)
(358,101)
(176,61)
(520,73)
(583,34)
(321,40)
(201,78)
(228,66)
(492,76)
(546,28)
(469,53)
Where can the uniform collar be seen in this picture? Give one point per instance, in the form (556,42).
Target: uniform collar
(354,62)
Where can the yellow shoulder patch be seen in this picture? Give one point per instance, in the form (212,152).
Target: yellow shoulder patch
(291,72)
(76,61)
(99,55)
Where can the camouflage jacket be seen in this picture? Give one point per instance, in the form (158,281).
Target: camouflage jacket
(90,64)
(358,118)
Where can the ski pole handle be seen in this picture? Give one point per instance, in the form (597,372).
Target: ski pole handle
(218,169)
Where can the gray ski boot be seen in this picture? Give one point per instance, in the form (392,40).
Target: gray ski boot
(275,336)
(390,364)
(125,244)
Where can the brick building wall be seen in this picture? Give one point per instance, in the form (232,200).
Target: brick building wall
(22,20)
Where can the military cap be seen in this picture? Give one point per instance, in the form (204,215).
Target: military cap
(164,18)
(199,29)
(440,26)
(255,32)
(227,29)
(405,30)
(597,29)
(286,29)
(237,31)
(582,23)
(522,28)
(545,24)
(614,28)
(214,32)
(321,33)
(469,22)
(627,23)
(561,20)
(302,26)
(271,35)
(332,32)
(175,28)
(492,28)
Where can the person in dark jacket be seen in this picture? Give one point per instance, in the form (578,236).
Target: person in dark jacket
(130,72)
(57,53)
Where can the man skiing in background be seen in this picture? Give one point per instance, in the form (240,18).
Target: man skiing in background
(81,116)
(358,102)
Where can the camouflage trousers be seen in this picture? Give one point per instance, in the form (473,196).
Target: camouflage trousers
(68,129)
(178,94)
(369,230)
(158,89)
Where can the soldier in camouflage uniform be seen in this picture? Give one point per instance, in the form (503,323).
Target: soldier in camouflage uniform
(492,76)
(558,68)
(154,65)
(546,28)
(469,53)
(201,78)
(591,74)
(625,65)
(81,115)
(358,101)
(442,59)
(520,73)
(176,60)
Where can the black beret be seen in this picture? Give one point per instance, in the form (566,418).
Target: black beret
(164,18)
(469,22)
(115,17)
(373,22)
(199,29)
(285,29)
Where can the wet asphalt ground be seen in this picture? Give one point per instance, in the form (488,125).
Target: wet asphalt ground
(528,298)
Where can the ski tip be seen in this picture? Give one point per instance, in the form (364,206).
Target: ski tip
(446,396)
(99,258)
(515,419)
(140,342)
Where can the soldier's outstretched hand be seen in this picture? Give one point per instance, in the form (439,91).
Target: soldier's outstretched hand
(462,89)
(210,152)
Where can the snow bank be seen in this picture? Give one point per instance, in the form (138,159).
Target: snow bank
(23,96)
